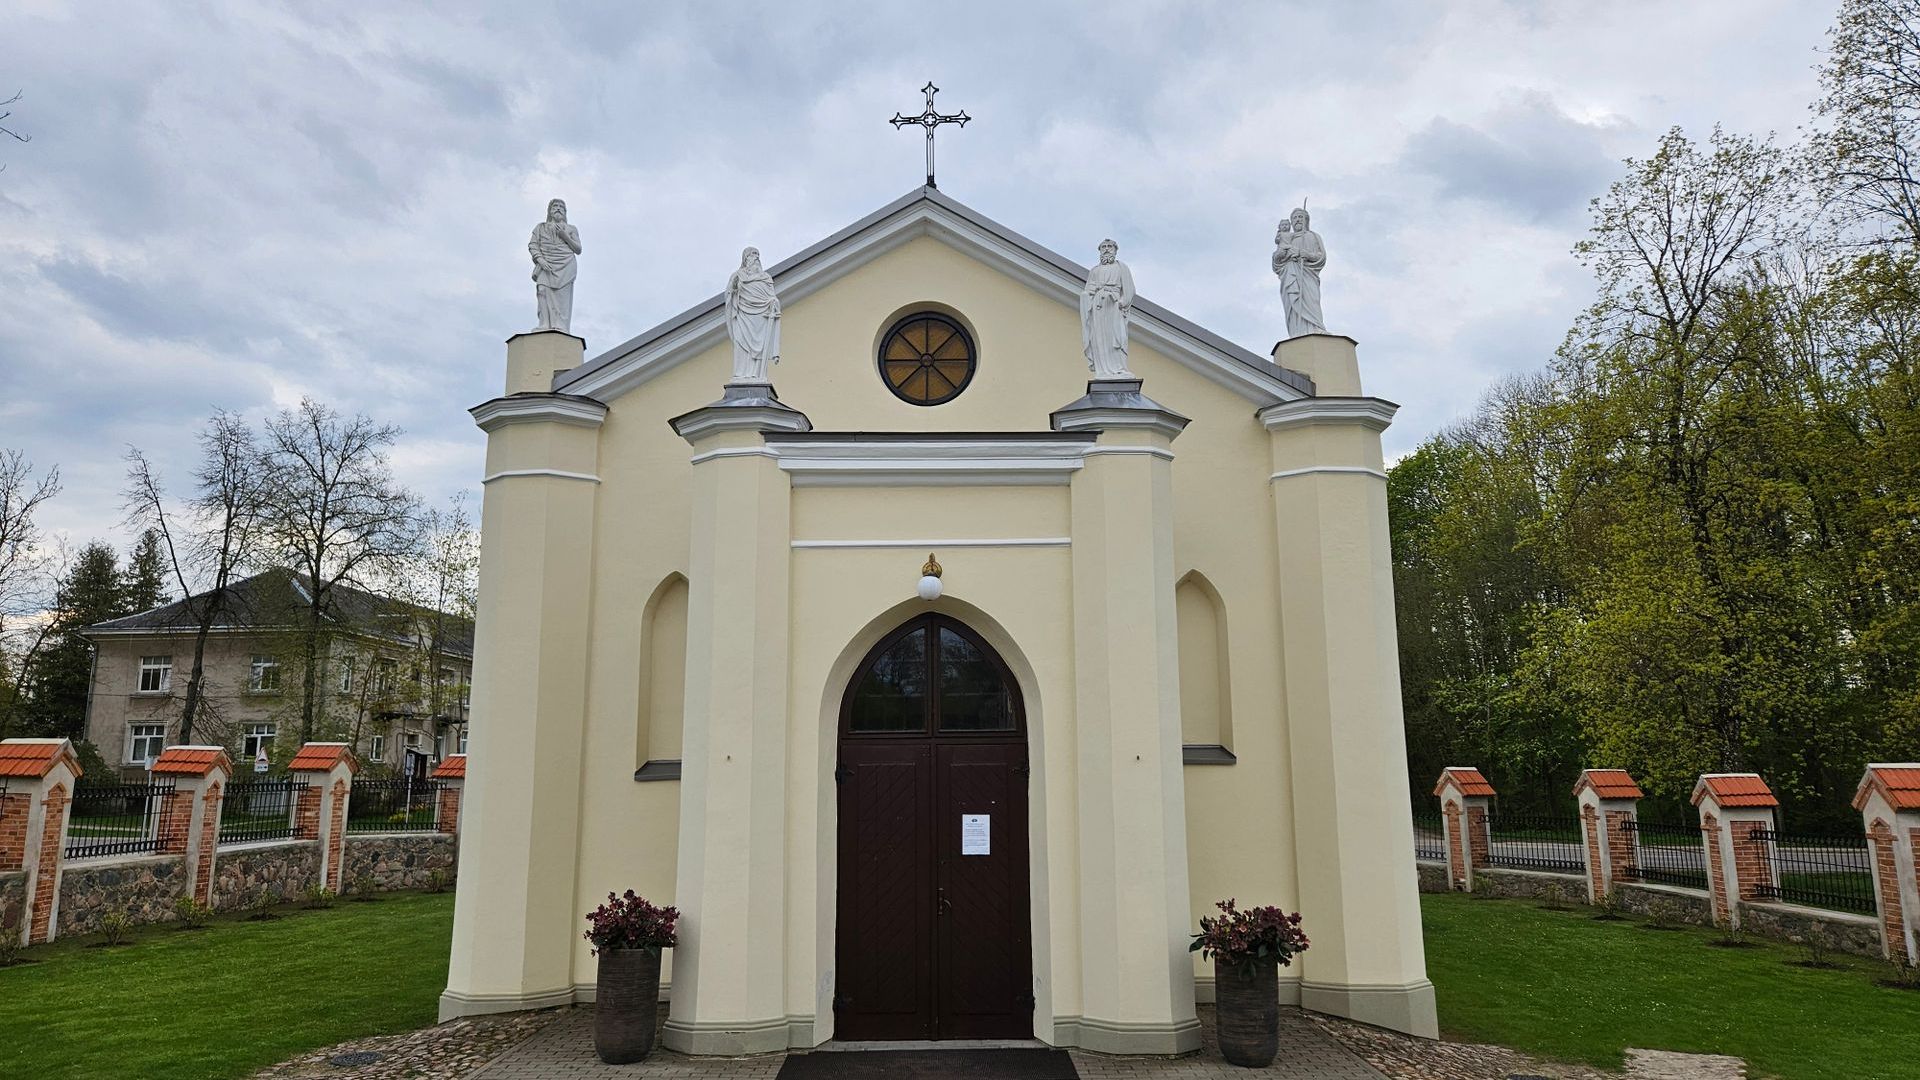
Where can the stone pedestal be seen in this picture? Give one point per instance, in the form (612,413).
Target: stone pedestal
(1136,975)
(200,776)
(328,769)
(39,775)
(1609,804)
(1466,806)
(731,882)
(516,916)
(1353,813)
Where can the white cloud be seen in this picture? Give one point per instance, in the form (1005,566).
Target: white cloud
(233,206)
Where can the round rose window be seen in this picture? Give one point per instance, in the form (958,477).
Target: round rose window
(927,359)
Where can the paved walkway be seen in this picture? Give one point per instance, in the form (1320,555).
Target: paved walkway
(563,1050)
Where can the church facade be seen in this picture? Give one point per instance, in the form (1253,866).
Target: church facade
(941,688)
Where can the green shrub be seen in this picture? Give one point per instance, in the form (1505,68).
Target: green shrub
(1553,897)
(362,887)
(1664,914)
(1818,944)
(319,896)
(114,927)
(438,880)
(191,913)
(1607,905)
(261,907)
(10,948)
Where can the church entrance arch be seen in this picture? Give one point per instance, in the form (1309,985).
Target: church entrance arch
(934,939)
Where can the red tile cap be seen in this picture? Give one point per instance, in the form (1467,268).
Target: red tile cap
(1734,790)
(32,759)
(321,757)
(1609,784)
(453,767)
(1468,780)
(1898,784)
(191,761)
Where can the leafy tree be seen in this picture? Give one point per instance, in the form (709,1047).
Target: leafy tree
(92,591)
(146,584)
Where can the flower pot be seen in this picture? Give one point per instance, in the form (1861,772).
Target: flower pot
(1247,1008)
(626,1004)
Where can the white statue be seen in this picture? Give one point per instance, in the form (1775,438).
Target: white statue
(553,247)
(1298,256)
(1104,305)
(753,319)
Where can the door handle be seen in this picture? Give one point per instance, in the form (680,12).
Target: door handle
(941,905)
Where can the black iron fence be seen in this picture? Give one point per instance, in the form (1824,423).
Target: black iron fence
(1429,836)
(1833,871)
(1537,842)
(116,819)
(1668,853)
(255,810)
(402,805)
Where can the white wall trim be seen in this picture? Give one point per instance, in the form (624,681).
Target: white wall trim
(733,451)
(934,545)
(557,474)
(570,409)
(1360,469)
(932,461)
(1372,413)
(1150,451)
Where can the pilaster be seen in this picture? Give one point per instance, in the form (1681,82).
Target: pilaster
(1736,809)
(1466,804)
(451,775)
(1609,802)
(1137,978)
(39,775)
(1889,803)
(200,776)
(328,769)
(1340,658)
(730,886)
(516,915)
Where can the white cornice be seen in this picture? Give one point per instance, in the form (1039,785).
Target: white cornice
(705,325)
(1311,470)
(571,409)
(706,421)
(556,474)
(935,545)
(933,461)
(1372,413)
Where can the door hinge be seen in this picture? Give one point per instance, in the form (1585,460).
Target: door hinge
(842,773)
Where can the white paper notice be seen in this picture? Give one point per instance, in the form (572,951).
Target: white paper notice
(976,833)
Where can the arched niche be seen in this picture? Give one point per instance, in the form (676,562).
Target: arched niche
(1206,695)
(663,677)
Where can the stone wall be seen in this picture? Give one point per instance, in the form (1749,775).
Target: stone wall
(283,871)
(1531,884)
(396,860)
(1692,905)
(13,902)
(1856,934)
(144,887)
(1433,876)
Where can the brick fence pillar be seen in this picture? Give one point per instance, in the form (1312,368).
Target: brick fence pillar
(1889,803)
(1465,801)
(39,775)
(1609,802)
(328,769)
(451,774)
(190,820)
(1736,811)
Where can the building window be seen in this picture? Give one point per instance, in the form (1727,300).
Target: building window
(439,745)
(346,674)
(156,674)
(383,676)
(410,740)
(145,741)
(463,739)
(466,693)
(926,359)
(264,677)
(253,739)
(377,750)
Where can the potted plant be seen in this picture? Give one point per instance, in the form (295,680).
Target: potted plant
(1248,948)
(627,935)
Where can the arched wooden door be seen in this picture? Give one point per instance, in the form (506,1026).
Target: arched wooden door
(934,939)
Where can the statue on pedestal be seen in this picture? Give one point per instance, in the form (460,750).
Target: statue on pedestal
(753,319)
(1104,306)
(1298,256)
(553,247)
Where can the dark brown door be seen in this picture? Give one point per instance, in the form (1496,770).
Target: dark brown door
(934,940)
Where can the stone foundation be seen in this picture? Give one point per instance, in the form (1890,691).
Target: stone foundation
(283,871)
(397,860)
(13,902)
(144,887)
(1433,876)
(1855,934)
(1531,884)
(1695,908)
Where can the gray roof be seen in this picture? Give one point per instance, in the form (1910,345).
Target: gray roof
(270,600)
(1252,360)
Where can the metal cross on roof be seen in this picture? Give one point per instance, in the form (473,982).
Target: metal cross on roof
(930,119)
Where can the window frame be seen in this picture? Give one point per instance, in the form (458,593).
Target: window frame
(376,748)
(136,736)
(250,735)
(162,664)
(933,623)
(898,325)
(262,669)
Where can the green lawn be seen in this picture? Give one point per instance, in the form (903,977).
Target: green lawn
(1561,985)
(230,999)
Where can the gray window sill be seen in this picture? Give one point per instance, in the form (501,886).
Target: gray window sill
(1206,754)
(659,769)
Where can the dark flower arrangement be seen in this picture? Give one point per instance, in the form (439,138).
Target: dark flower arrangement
(1243,938)
(630,922)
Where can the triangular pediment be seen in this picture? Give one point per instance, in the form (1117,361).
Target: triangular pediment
(926,212)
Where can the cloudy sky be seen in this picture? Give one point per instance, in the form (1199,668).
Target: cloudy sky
(237,204)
